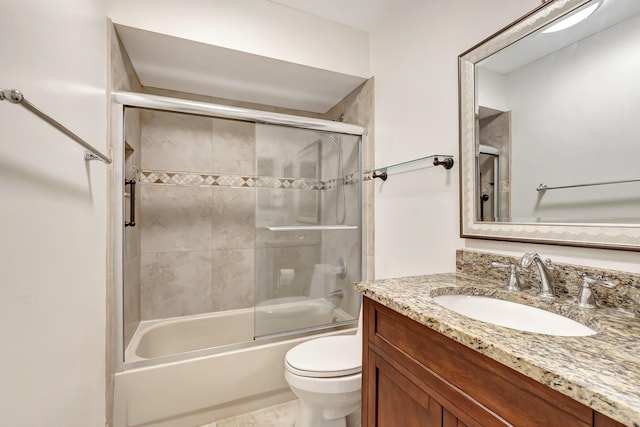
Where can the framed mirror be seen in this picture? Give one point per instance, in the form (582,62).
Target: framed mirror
(550,128)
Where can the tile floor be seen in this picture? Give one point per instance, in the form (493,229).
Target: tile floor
(282,415)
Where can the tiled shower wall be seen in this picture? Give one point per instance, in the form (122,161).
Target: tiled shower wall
(276,252)
(356,108)
(303,253)
(132,253)
(495,131)
(197,241)
(198,234)
(177,273)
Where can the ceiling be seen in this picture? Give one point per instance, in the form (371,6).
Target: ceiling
(182,65)
(173,63)
(360,14)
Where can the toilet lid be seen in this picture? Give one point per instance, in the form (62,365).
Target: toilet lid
(326,357)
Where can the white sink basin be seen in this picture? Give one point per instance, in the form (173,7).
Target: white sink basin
(513,315)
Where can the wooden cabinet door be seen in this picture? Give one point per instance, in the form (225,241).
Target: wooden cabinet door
(399,402)
(414,376)
(600,420)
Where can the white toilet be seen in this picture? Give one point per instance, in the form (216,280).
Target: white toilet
(326,374)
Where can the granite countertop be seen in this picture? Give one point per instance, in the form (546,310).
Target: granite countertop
(602,371)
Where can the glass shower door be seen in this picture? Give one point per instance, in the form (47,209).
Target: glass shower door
(308,229)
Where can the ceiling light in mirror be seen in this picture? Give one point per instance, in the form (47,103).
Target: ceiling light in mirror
(573,19)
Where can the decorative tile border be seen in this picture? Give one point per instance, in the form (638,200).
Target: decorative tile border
(349,179)
(229,180)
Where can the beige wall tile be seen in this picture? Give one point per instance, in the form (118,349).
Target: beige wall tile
(131,298)
(122,75)
(132,239)
(232,279)
(234,148)
(301,258)
(370,266)
(175,218)
(132,131)
(345,245)
(176,142)
(357,108)
(265,273)
(233,218)
(175,284)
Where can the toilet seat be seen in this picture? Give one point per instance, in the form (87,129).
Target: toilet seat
(327,357)
(323,386)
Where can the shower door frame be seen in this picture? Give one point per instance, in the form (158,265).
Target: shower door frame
(122,100)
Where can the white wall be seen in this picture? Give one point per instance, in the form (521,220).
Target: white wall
(491,92)
(259,27)
(53,216)
(414,54)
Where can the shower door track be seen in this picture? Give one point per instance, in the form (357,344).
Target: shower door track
(164,103)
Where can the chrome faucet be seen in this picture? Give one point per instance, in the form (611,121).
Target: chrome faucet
(513,284)
(586,298)
(546,285)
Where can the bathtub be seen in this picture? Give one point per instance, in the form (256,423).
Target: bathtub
(172,378)
(165,337)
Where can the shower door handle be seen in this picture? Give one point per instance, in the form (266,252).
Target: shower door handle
(132,203)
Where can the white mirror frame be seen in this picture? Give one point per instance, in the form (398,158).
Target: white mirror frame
(626,237)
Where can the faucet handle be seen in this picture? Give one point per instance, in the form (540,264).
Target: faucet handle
(501,265)
(586,298)
(513,284)
(587,281)
(341,268)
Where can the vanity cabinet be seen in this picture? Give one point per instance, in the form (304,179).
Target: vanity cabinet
(415,376)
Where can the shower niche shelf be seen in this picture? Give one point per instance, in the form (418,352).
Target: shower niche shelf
(310,227)
(444,160)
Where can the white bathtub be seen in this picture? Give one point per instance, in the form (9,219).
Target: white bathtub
(206,388)
(165,337)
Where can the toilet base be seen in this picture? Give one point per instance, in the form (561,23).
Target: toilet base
(314,416)
(354,418)
(327,402)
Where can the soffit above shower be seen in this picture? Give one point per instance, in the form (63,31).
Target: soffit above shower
(173,63)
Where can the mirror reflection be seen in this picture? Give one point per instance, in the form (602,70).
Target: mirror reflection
(557,135)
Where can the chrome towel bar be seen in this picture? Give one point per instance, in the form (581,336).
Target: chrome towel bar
(545,187)
(16,97)
(310,227)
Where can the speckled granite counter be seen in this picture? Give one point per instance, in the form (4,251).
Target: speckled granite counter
(601,371)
